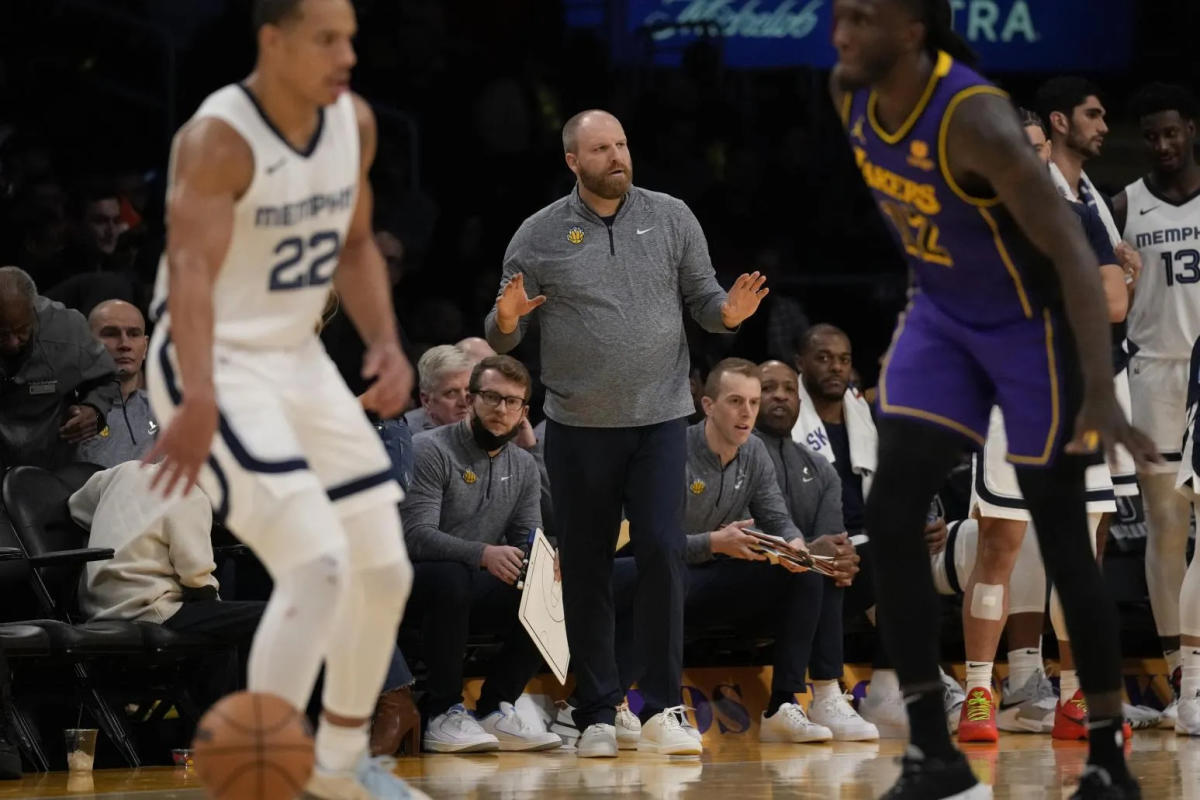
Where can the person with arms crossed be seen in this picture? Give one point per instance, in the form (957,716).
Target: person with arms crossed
(617,265)
(269,207)
(1159,214)
(984,234)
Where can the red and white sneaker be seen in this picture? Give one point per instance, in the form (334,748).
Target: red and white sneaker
(1071,720)
(977,722)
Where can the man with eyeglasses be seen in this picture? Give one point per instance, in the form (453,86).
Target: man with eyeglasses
(473,501)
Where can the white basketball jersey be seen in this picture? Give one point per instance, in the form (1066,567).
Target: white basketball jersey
(1164,321)
(288,227)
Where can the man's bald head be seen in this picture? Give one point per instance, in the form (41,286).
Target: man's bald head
(570,131)
(18,316)
(818,332)
(121,328)
(476,349)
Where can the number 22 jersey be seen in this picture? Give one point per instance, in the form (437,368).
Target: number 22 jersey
(288,226)
(1164,321)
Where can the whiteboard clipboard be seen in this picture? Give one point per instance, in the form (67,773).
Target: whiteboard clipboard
(541,610)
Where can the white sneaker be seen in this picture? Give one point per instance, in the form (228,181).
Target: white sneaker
(629,728)
(457,731)
(515,734)
(953,698)
(790,724)
(667,732)
(1170,715)
(374,779)
(836,714)
(1187,723)
(1141,718)
(887,712)
(564,724)
(1028,708)
(598,741)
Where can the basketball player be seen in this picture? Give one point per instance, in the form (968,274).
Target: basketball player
(984,233)
(268,208)
(1160,216)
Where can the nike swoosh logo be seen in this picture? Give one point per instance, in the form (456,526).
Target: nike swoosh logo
(1146,211)
(647,230)
(506,477)
(273,168)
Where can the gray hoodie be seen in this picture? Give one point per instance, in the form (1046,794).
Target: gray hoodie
(613,349)
(461,500)
(742,489)
(809,483)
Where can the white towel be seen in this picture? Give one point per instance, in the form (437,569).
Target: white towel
(1067,191)
(810,432)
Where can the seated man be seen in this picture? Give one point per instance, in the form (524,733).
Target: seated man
(58,381)
(472,505)
(813,492)
(130,428)
(731,486)
(162,567)
(442,373)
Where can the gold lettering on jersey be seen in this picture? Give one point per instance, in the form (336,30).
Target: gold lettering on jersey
(910,210)
(923,196)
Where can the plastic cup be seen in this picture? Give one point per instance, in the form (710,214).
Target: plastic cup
(81,749)
(184,757)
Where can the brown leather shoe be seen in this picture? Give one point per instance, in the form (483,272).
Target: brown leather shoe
(396,728)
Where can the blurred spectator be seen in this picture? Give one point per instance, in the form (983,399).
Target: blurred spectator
(476,349)
(58,382)
(100,225)
(130,428)
(443,375)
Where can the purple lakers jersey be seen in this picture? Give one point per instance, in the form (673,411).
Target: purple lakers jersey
(966,253)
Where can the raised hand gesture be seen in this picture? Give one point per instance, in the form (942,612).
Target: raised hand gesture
(747,292)
(514,304)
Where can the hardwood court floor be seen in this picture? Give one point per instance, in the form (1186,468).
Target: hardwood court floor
(1020,768)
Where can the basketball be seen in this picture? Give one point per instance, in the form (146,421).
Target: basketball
(252,746)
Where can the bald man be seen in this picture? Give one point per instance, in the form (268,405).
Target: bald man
(618,265)
(130,428)
(476,349)
(56,382)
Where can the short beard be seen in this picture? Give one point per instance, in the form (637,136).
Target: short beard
(610,187)
(765,425)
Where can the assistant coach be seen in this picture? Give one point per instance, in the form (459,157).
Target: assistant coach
(614,266)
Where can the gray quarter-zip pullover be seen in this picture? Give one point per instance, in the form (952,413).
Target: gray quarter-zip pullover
(613,349)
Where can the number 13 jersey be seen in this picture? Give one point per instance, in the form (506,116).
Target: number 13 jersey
(288,227)
(1164,321)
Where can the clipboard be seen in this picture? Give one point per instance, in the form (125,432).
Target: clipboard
(541,611)
(776,549)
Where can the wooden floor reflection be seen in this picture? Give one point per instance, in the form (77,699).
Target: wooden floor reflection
(1020,768)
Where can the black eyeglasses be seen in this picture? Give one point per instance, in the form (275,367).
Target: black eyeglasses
(494,399)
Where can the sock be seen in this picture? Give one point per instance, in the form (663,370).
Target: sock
(339,749)
(826,690)
(884,682)
(1106,744)
(979,675)
(1174,659)
(1191,671)
(1068,685)
(1022,664)
(778,699)
(927,722)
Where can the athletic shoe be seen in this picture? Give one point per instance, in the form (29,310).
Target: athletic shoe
(1187,723)
(1097,784)
(942,778)
(667,733)
(887,712)
(953,698)
(629,728)
(1140,718)
(374,779)
(789,723)
(978,722)
(457,731)
(598,741)
(836,714)
(563,725)
(515,734)
(1171,712)
(1029,709)
(1071,718)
